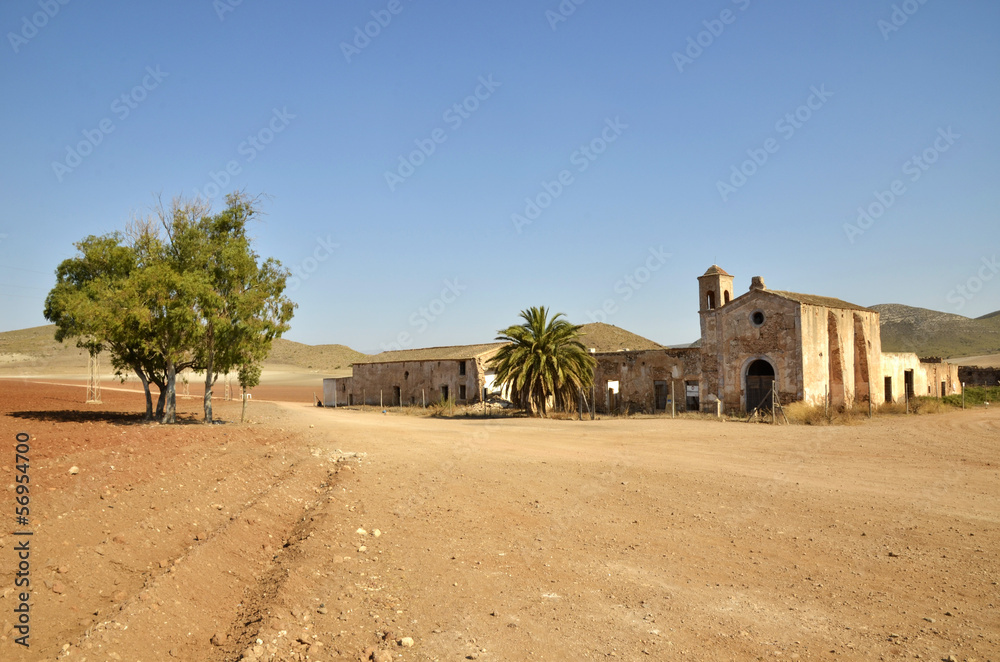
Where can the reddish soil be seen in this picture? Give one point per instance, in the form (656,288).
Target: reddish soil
(507,539)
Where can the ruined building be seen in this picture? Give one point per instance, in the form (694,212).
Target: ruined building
(766,344)
(760,346)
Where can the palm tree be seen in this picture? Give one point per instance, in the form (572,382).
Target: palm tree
(544,359)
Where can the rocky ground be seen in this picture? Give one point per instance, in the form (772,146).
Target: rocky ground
(320,534)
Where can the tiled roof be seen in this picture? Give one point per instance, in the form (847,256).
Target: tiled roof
(813,300)
(716,270)
(454,353)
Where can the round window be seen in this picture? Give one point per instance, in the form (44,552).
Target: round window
(757,318)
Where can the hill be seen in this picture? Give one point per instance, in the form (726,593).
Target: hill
(36,350)
(325,358)
(933,333)
(609,338)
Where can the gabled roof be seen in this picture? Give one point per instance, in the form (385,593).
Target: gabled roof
(813,300)
(716,270)
(453,353)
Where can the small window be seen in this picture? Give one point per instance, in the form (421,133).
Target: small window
(725,296)
(711,300)
(461,368)
(757,318)
(406,375)
(461,392)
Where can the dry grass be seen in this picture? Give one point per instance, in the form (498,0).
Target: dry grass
(805,414)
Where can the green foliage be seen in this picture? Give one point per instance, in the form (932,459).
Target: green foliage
(194,296)
(544,359)
(975,396)
(249,375)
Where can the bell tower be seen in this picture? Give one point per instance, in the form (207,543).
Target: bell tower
(715,289)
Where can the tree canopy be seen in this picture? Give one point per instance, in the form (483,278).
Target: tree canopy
(544,359)
(186,293)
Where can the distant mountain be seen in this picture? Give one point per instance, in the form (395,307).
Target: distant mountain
(35,350)
(933,333)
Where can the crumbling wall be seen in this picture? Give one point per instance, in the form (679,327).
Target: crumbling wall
(639,374)
(418,382)
(976,376)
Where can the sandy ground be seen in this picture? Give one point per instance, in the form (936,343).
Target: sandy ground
(507,539)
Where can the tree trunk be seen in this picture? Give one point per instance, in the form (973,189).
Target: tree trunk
(210,377)
(145,387)
(161,401)
(170,410)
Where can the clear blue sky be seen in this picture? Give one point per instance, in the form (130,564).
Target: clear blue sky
(107,106)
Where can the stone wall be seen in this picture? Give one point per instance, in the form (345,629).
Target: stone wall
(841,349)
(941,378)
(410,382)
(976,376)
(645,379)
(732,341)
(927,376)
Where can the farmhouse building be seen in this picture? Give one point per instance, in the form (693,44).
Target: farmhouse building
(415,377)
(756,348)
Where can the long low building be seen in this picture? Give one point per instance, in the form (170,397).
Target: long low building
(415,377)
(760,347)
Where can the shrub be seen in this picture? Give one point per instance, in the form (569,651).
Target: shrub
(975,396)
(442,407)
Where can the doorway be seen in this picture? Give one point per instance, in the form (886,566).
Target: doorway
(759,381)
(660,395)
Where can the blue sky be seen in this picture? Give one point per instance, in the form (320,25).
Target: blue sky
(644,141)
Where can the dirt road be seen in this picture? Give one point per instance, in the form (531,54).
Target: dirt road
(499,539)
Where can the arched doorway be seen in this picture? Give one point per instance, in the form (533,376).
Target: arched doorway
(759,381)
